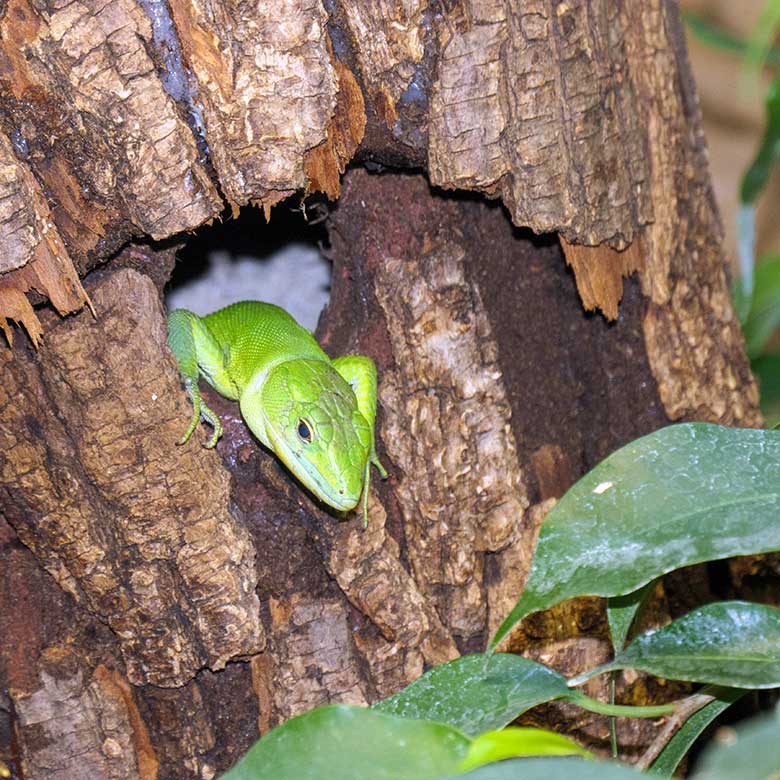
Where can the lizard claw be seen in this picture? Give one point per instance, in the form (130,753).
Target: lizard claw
(380,467)
(211,418)
(193,425)
(201,410)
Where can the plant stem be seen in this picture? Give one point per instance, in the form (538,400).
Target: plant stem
(612,721)
(623,710)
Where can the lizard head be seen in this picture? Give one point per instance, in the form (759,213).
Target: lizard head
(310,419)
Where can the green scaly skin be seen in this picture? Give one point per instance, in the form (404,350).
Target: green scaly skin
(315,413)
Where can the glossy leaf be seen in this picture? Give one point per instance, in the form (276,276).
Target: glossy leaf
(682,495)
(731,643)
(751,753)
(551,769)
(477,693)
(353,743)
(514,741)
(682,741)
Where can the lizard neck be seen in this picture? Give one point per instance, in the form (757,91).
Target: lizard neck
(250,401)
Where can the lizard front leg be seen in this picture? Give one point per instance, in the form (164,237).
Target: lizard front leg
(197,353)
(360,373)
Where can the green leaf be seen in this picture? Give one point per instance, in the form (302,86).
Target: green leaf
(719,38)
(552,769)
(732,643)
(682,495)
(752,753)
(515,741)
(761,39)
(757,175)
(477,693)
(352,743)
(767,369)
(683,739)
(753,183)
(764,317)
(622,611)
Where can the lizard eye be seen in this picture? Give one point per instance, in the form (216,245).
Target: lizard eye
(304,431)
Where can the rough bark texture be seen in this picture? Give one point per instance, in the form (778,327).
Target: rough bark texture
(468,492)
(258,66)
(167,602)
(138,532)
(120,151)
(556,128)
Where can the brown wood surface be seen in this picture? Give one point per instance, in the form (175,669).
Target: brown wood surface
(168,604)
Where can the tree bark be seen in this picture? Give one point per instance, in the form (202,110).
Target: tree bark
(162,606)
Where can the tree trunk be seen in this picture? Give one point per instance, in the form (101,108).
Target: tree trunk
(161,606)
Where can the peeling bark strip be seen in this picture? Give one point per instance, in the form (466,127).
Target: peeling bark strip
(81,71)
(535,101)
(389,38)
(326,162)
(134,527)
(697,335)
(599,272)
(267,87)
(33,253)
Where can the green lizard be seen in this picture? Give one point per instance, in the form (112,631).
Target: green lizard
(315,413)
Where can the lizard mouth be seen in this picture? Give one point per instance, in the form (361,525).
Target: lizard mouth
(334,496)
(338,498)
